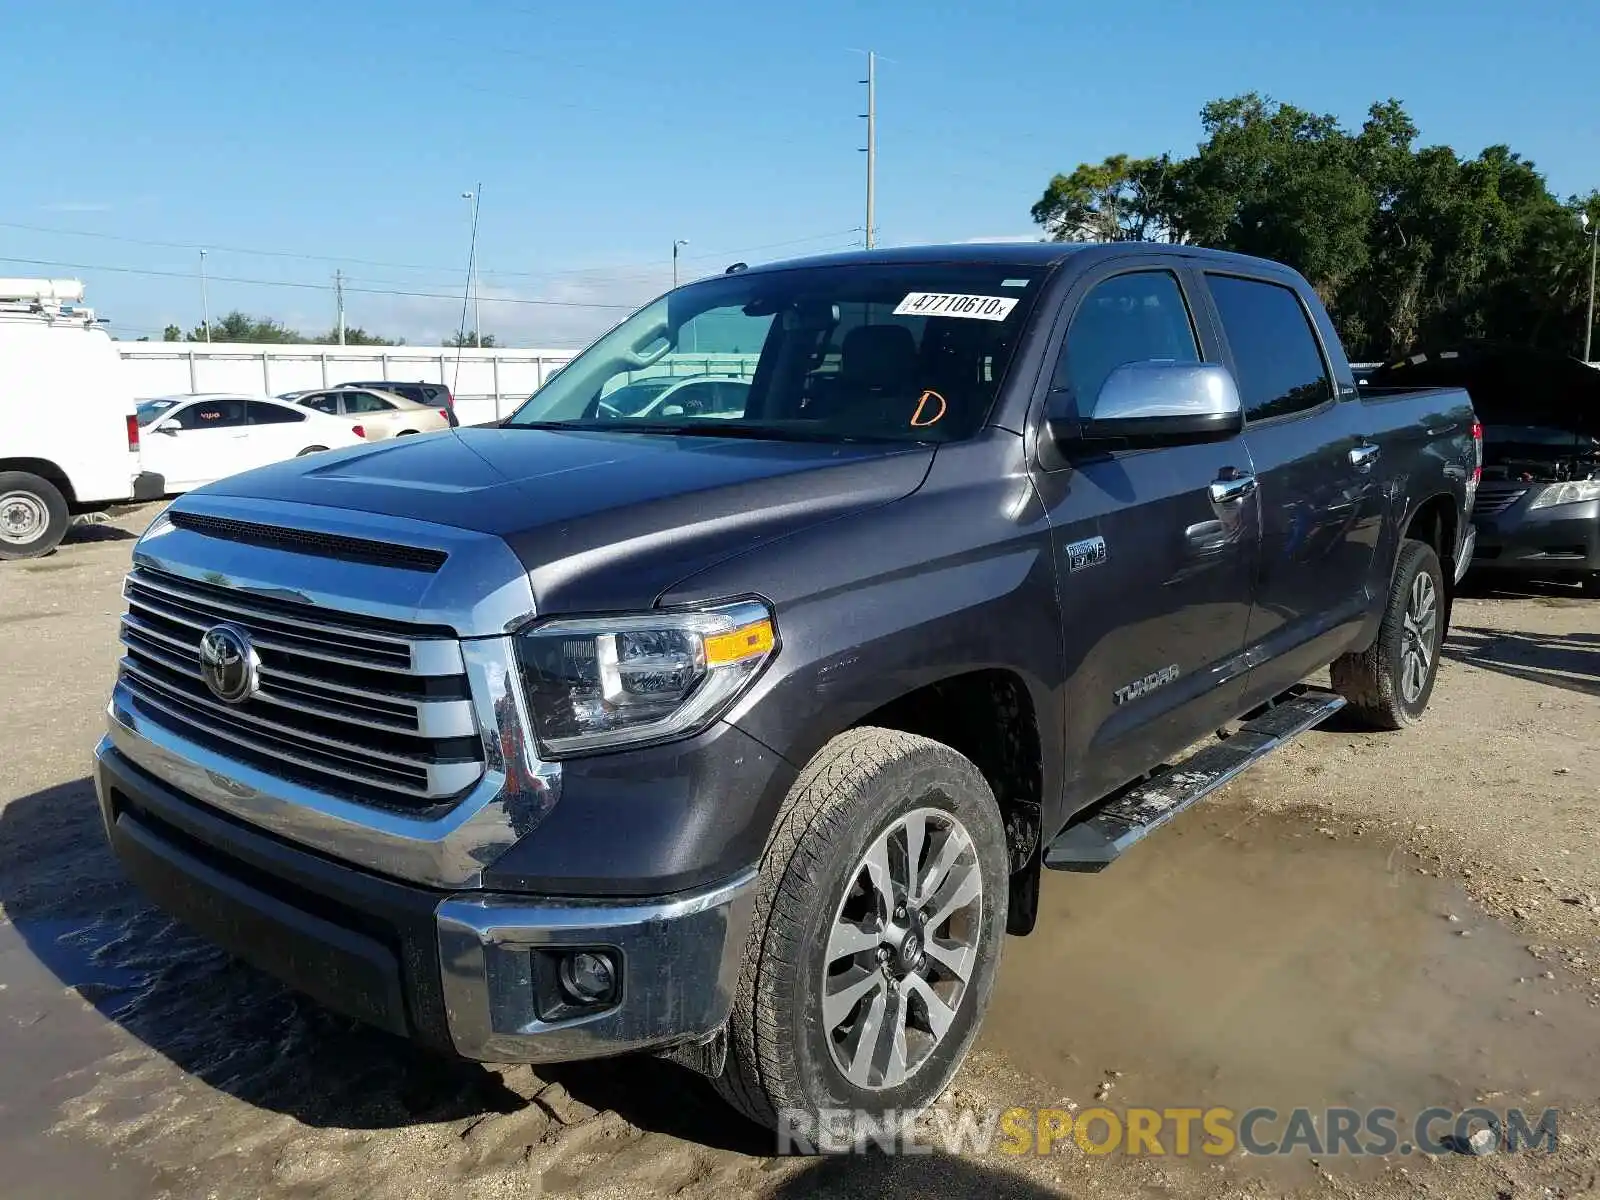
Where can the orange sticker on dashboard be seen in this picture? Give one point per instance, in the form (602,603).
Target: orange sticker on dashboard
(921,418)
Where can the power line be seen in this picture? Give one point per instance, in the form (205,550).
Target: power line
(398,266)
(316,287)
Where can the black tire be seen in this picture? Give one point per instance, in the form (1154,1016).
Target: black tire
(33,515)
(311,450)
(858,787)
(1591,585)
(1375,682)
(407,433)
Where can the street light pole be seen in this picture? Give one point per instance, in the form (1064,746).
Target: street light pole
(205,305)
(676,243)
(472,269)
(1588,325)
(871,117)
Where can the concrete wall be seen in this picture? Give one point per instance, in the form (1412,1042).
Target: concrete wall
(486,383)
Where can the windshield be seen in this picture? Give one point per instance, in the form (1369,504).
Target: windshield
(150,410)
(903,352)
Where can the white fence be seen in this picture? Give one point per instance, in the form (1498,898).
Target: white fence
(487,384)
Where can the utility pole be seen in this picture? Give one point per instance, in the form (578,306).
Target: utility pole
(472,268)
(205,305)
(1588,325)
(871,116)
(338,291)
(676,243)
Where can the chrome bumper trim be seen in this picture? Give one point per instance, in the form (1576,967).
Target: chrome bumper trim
(450,850)
(680,960)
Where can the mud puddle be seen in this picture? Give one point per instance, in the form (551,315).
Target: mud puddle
(1242,959)
(49,1043)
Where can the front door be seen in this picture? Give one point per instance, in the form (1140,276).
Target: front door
(209,443)
(1155,548)
(1317,535)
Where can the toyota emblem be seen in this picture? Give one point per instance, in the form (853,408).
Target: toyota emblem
(229,665)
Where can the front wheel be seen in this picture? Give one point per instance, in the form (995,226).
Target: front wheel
(878,920)
(33,515)
(1388,684)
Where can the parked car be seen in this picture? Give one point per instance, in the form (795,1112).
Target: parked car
(429,395)
(71,444)
(693,396)
(194,440)
(1538,509)
(379,414)
(745,739)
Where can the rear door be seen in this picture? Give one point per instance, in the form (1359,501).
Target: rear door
(1312,470)
(277,432)
(1156,571)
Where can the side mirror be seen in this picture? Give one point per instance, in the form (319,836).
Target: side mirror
(1165,402)
(169,426)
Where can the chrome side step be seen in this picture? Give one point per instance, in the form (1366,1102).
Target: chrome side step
(1094,843)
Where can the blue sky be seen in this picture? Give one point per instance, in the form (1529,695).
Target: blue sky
(341,134)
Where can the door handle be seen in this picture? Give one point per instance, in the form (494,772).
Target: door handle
(1362,457)
(1234,485)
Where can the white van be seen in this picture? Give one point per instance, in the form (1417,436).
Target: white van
(69,438)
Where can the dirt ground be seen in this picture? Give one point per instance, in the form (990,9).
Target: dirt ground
(1400,920)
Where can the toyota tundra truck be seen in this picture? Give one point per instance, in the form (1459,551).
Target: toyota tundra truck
(743,736)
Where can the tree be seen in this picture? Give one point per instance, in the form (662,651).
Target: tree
(1118,200)
(1407,246)
(467,341)
(238,327)
(172,334)
(354,337)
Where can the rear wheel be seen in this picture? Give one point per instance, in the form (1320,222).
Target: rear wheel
(876,936)
(1388,684)
(1591,585)
(33,515)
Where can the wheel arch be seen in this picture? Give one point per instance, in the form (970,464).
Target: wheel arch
(46,470)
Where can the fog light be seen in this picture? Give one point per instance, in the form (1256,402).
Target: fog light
(588,977)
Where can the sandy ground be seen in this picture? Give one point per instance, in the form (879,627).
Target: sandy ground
(1401,920)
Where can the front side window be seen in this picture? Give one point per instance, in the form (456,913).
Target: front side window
(212,414)
(1275,353)
(889,352)
(326,402)
(1139,317)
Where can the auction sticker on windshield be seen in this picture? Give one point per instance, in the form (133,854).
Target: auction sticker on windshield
(949,304)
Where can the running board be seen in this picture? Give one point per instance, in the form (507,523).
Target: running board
(1092,844)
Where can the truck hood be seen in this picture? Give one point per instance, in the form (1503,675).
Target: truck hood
(602,521)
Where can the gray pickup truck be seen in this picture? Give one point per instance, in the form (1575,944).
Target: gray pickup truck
(744,738)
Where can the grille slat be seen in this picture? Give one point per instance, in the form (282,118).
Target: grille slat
(380,715)
(1495,498)
(307,541)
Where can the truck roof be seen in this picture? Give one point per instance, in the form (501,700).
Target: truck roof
(1038,254)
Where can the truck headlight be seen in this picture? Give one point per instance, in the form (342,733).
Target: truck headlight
(1574,492)
(605,682)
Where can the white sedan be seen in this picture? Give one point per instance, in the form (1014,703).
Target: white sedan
(193,440)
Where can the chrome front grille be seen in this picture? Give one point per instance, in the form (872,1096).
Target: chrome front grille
(361,708)
(1495,498)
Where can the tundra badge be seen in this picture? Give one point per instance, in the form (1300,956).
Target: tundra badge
(1143,687)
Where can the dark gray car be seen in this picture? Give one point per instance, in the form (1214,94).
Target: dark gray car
(744,737)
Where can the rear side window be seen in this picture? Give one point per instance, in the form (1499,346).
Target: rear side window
(365,402)
(273,414)
(325,403)
(1139,317)
(212,414)
(1275,353)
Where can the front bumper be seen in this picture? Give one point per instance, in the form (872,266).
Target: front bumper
(468,972)
(1541,541)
